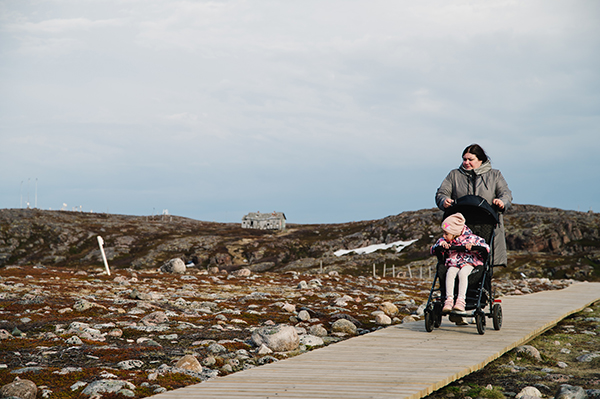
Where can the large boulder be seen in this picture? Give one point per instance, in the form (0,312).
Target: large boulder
(279,338)
(343,326)
(155,318)
(19,388)
(570,392)
(175,265)
(189,362)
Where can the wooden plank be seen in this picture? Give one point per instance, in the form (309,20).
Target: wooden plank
(402,361)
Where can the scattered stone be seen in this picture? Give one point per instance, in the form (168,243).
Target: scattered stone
(23,389)
(311,340)
(189,362)
(82,305)
(570,392)
(303,315)
(74,340)
(130,364)
(5,334)
(588,357)
(389,309)
(383,320)
(344,326)
(289,308)
(155,318)
(318,330)
(529,351)
(106,386)
(142,296)
(263,350)
(243,272)
(279,338)
(529,392)
(175,265)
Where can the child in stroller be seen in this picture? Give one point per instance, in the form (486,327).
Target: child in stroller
(460,263)
(481,219)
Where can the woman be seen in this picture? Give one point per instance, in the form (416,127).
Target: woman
(475,176)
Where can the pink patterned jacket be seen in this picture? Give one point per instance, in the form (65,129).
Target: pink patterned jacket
(459,258)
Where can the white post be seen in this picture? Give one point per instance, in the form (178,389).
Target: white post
(374,274)
(394,271)
(101,243)
(409,272)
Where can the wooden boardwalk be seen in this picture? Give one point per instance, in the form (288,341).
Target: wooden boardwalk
(402,361)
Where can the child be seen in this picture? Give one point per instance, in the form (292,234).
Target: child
(458,262)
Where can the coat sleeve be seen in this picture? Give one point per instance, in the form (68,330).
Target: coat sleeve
(503,193)
(444,191)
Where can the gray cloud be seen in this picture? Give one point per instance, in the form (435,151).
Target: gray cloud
(328,111)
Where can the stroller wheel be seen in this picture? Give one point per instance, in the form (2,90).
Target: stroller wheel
(480,321)
(497,316)
(429,320)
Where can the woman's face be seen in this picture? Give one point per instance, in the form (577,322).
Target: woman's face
(470,161)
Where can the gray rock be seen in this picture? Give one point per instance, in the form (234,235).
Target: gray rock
(74,340)
(81,305)
(278,338)
(311,340)
(106,386)
(175,265)
(588,357)
(142,296)
(189,362)
(530,351)
(155,318)
(303,315)
(570,392)
(383,320)
(318,330)
(593,393)
(19,388)
(216,348)
(130,364)
(529,392)
(343,326)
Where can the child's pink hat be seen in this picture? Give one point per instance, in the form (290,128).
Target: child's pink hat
(454,224)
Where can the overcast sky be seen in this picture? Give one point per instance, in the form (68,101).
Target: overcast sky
(329,111)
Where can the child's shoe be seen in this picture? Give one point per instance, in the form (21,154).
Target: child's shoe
(460,305)
(448,305)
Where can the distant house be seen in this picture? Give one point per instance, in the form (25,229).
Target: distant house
(264,221)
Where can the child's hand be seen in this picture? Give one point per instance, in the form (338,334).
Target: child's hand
(444,245)
(468,246)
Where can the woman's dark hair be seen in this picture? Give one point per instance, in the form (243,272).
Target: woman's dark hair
(476,150)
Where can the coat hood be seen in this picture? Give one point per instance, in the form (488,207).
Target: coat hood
(484,168)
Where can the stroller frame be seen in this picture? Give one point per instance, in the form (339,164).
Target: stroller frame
(482,219)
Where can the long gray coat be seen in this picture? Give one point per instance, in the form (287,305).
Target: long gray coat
(485,182)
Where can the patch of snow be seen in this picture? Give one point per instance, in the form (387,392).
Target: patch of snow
(400,245)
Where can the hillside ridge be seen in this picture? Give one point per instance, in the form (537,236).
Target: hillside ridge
(542,242)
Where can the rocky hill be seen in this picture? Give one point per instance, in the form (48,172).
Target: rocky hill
(542,242)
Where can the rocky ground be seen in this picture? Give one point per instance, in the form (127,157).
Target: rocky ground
(68,329)
(136,333)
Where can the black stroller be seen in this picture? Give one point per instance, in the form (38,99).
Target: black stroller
(482,219)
